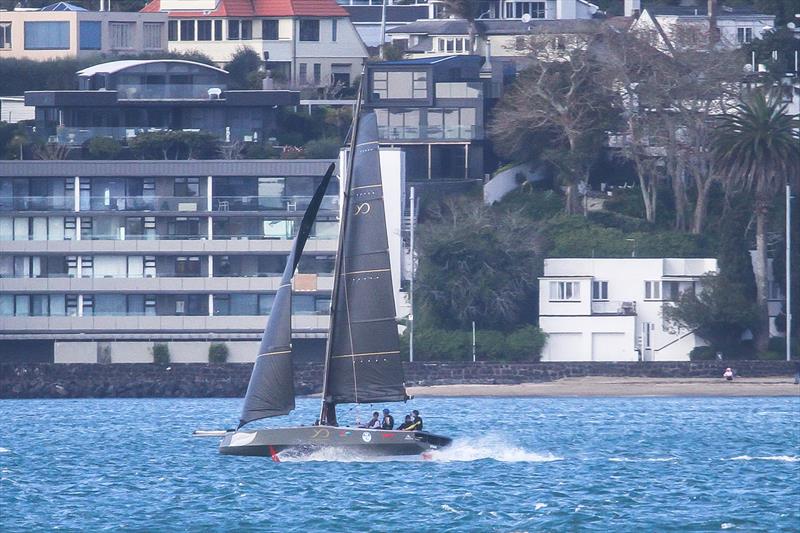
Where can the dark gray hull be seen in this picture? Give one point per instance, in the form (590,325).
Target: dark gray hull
(306,440)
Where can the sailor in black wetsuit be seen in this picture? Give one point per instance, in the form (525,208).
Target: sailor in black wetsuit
(388,420)
(417,420)
(404,426)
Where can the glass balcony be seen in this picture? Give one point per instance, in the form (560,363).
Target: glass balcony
(454,133)
(74,136)
(143,203)
(271,203)
(137,91)
(37,203)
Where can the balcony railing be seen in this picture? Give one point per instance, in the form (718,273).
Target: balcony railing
(137,91)
(270,203)
(614,308)
(454,133)
(37,203)
(74,136)
(144,203)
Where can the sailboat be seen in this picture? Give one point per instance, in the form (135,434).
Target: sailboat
(362,355)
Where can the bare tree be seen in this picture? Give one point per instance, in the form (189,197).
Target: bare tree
(558,112)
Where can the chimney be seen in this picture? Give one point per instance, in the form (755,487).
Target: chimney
(713,28)
(633,8)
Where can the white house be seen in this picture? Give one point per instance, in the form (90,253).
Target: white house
(610,309)
(303,42)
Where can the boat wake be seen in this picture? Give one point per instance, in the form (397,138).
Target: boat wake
(642,459)
(492,447)
(4,450)
(785,458)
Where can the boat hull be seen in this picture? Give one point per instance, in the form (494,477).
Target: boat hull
(306,440)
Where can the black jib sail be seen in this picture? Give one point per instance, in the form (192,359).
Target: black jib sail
(271,388)
(363,362)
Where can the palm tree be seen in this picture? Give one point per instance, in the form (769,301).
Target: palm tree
(758,149)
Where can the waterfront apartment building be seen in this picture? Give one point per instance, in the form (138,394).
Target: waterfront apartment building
(74,32)
(94,254)
(610,309)
(302,42)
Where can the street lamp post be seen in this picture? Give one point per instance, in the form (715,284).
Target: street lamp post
(788,272)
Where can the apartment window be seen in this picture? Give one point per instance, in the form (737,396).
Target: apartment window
(302,75)
(670,290)
(317,73)
(187,30)
(149,266)
(151,35)
(599,290)
(203,30)
(46,36)
(5,35)
(744,35)
(187,187)
(515,10)
(187,266)
(334,29)
(269,30)
(400,85)
(90,37)
(453,44)
(652,290)
(122,35)
(309,30)
(184,227)
(172,30)
(565,291)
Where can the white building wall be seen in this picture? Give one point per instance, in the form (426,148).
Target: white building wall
(615,328)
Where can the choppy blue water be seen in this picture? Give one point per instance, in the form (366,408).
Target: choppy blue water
(644,464)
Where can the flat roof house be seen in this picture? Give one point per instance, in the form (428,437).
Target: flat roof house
(610,309)
(72,31)
(122,99)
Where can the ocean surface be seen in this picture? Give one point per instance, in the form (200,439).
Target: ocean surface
(518,464)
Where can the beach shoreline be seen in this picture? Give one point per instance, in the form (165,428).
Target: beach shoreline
(621,387)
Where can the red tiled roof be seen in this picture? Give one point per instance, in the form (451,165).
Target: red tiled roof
(260,8)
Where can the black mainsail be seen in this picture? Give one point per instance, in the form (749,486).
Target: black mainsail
(363,354)
(271,388)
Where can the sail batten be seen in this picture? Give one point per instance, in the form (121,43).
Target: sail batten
(270,391)
(361,358)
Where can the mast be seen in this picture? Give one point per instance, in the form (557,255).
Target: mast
(327,415)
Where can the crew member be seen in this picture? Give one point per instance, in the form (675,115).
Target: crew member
(388,420)
(374,422)
(417,420)
(405,425)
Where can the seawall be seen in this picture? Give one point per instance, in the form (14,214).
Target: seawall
(42,380)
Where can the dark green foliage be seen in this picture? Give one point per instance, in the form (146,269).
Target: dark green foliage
(326,148)
(779,268)
(260,151)
(244,69)
(534,203)
(161,353)
(174,145)
(218,352)
(733,255)
(20,75)
(703,353)
(103,148)
(477,264)
(780,41)
(522,344)
(719,314)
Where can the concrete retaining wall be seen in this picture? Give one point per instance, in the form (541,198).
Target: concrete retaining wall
(92,380)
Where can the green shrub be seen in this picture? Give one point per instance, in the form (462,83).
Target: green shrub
(103,148)
(523,344)
(703,353)
(327,148)
(218,352)
(773,355)
(161,353)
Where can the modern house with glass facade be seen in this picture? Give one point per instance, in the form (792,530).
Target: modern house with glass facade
(49,34)
(94,254)
(434,110)
(122,99)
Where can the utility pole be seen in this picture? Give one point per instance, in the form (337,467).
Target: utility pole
(473,342)
(788,290)
(411,281)
(383,28)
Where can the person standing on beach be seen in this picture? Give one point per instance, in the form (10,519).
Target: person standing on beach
(728,374)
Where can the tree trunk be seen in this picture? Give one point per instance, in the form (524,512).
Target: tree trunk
(700,208)
(679,192)
(573,204)
(762,335)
